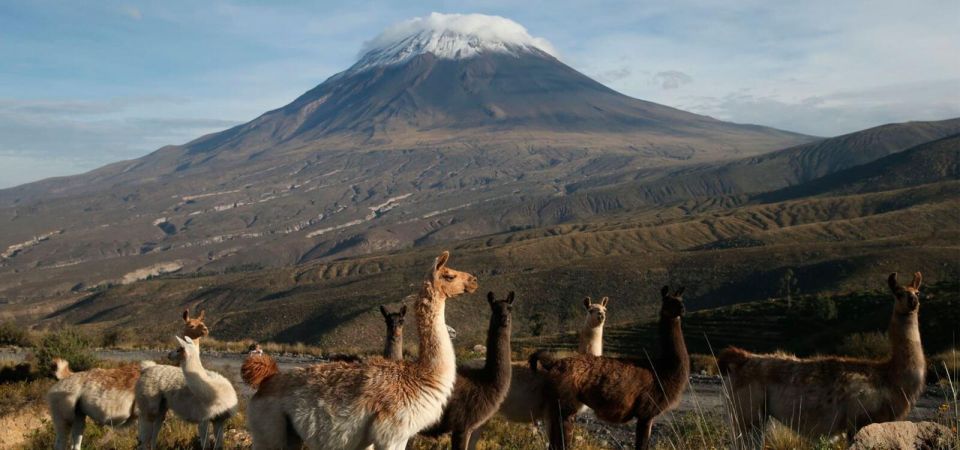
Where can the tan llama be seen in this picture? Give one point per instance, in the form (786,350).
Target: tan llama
(104,395)
(349,406)
(194,394)
(525,402)
(830,395)
(619,389)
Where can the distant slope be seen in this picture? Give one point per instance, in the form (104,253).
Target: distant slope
(926,163)
(795,165)
(802,326)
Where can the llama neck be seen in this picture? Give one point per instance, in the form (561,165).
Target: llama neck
(393,349)
(498,351)
(436,351)
(906,352)
(673,364)
(197,378)
(591,340)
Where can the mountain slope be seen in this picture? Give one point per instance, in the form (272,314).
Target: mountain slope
(926,163)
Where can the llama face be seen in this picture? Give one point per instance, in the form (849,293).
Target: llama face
(596,312)
(449,281)
(194,328)
(501,309)
(394,320)
(906,298)
(672,306)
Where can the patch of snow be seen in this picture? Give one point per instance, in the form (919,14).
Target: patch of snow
(152,271)
(449,36)
(15,249)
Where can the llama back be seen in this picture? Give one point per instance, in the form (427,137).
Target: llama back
(732,359)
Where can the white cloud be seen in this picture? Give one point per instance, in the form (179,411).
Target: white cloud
(671,79)
(488,29)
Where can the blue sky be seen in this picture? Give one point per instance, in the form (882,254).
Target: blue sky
(83,84)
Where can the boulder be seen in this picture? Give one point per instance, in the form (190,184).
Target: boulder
(903,436)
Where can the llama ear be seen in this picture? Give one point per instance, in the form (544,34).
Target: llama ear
(441,261)
(603,301)
(510,297)
(892,282)
(587,302)
(664,291)
(490,297)
(203,314)
(917,278)
(181,342)
(188,340)
(383,311)
(679,292)
(403,310)
(186,314)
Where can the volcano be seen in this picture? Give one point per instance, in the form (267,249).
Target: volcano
(447,127)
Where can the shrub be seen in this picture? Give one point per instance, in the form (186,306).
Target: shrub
(865,345)
(10,334)
(67,344)
(118,337)
(823,309)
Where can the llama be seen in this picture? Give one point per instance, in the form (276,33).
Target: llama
(829,395)
(619,389)
(478,392)
(194,394)
(525,402)
(352,405)
(393,345)
(104,395)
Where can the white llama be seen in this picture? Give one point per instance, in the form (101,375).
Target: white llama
(193,393)
(104,395)
(349,406)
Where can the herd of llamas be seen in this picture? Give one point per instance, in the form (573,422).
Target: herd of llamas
(383,402)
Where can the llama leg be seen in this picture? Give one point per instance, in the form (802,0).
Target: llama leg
(644,427)
(460,439)
(475,436)
(155,429)
(202,433)
(76,431)
(218,425)
(62,428)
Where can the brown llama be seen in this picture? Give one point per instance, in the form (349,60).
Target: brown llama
(478,392)
(352,405)
(619,389)
(393,344)
(829,395)
(104,395)
(525,402)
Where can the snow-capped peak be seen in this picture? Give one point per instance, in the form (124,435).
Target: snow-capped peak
(450,36)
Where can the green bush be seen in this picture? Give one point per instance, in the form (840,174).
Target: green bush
(67,344)
(118,338)
(10,334)
(822,309)
(872,345)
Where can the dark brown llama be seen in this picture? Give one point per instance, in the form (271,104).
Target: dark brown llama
(478,392)
(393,344)
(828,395)
(619,389)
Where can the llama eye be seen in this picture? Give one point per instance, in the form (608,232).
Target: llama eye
(448,277)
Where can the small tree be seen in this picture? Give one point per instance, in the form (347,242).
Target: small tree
(788,286)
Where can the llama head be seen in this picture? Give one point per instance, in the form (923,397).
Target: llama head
(450,282)
(394,320)
(906,298)
(254,349)
(187,350)
(194,328)
(501,309)
(672,306)
(596,312)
